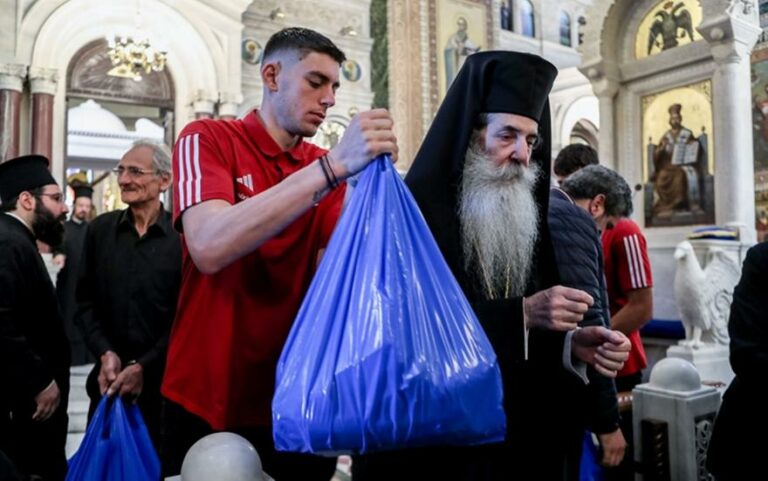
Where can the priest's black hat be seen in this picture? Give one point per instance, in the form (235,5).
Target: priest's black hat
(22,174)
(82,190)
(488,82)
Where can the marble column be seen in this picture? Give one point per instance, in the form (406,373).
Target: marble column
(229,103)
(606,90)
(43,84)
(734,170)
(731,37)
(407,96)
(11,86)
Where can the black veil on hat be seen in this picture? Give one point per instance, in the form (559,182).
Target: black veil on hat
(488,82)
(23,174)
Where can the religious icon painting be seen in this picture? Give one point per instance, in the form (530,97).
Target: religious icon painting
(458,28)
(351,70)
(669,24)
(759,83)
(678,159)
(251,51)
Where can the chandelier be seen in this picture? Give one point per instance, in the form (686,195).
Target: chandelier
(132,58)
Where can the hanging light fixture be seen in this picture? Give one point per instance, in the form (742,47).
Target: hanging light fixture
(134,56)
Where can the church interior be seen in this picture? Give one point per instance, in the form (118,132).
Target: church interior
(81,80)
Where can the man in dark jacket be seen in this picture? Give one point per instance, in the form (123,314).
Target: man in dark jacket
(579,255)
(68,257)
(733,453)
(34,351)
(481,179)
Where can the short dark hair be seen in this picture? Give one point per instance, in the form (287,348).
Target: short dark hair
(593,180)
(304,41)
(11,204)
(574,157)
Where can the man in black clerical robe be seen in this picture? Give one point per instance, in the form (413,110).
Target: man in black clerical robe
(34,350)
(481,179)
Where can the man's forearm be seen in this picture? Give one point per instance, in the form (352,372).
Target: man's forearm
(218,233)
(636,312)
(630,318)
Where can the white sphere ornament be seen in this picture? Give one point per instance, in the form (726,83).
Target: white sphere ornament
(675,374)
(222,457)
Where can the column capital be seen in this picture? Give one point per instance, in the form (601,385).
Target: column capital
(604,77)
(229,102)
(12,76)
(43,80)
(731,32)
(204,102)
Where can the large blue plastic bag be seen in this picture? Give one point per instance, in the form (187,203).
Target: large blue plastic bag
(116,446)
(385,352)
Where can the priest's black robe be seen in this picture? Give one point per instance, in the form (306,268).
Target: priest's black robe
(34,351)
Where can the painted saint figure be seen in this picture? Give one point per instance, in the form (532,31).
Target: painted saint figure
(457,49)
(677,168)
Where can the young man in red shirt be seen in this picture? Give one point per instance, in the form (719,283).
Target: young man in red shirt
(256,205)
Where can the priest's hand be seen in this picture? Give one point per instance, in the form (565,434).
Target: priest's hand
(604,349)
(368,135)
(129,382)
(558,308)
(59,260)
(110,368)
(47,401)
(613,445)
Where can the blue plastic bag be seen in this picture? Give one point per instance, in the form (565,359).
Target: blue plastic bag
(386,351)
(116,446)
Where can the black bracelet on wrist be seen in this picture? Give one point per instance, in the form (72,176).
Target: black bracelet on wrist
(330,175)
(325,173)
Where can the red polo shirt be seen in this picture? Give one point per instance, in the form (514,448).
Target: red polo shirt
(627,268)
(230,327)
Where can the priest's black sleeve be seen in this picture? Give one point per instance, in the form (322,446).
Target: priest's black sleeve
(19,363)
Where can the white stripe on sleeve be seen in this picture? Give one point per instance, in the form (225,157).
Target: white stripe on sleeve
(188,165)
(198,175)
(630,261)
(180,183)
(640,263)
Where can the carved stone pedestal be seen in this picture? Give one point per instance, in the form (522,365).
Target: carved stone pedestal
(711,360)
(673,416)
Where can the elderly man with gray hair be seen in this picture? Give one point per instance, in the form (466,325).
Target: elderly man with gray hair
(128,285)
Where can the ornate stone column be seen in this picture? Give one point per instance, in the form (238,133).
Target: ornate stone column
(605,86)
(406,95)
(229,103)
(731,37)
(204,105)
(43,87)
(11,86)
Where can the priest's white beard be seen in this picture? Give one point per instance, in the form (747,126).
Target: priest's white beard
(499,223)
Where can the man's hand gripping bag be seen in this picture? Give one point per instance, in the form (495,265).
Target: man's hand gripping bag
(386,351)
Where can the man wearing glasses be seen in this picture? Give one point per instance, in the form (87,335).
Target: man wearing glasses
(129,283)
(34,351)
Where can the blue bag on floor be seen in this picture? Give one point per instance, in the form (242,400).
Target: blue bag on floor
(386,351)
(116,446)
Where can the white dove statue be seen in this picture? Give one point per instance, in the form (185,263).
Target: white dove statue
(704,296)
